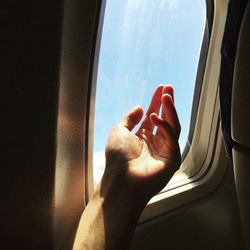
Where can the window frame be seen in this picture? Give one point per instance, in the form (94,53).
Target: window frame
(204,131)
(207,148)
(200,74)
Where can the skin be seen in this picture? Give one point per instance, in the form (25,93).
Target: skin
(138,166)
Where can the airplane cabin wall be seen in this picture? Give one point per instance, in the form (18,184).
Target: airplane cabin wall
(30,58)
(31,42)
(241,124)
(209,223)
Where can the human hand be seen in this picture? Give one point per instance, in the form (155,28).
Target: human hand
(142,163)
(137,167)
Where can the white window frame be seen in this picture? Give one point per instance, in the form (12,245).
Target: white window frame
(198,174)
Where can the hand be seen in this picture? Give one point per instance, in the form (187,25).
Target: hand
(137,167)
(143,163)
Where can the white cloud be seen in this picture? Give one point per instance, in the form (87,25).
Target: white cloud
(135,4)
(98,166)
(170,5)
(143,5)
(99,160)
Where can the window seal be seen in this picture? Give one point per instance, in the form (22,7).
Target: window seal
(179,190)
(200,74)
(207,151)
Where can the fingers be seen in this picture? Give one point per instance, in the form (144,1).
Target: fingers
(164,127)
(168,89)
(169,113)
(155,102)
(132,118)
(154,107)
(163,95)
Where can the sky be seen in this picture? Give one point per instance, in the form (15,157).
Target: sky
(145,43)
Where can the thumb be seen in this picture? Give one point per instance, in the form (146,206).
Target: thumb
(132,118)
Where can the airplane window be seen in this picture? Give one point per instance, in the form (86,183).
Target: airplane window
(145,43)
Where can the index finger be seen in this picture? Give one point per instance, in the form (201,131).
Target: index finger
(168,89)
(153,107)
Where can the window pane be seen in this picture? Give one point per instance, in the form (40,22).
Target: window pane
(144,43)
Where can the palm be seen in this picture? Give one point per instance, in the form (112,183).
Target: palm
(147,158)
(152,152)
(155,155)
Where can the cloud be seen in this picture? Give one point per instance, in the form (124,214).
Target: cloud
(170,5)
(144,5)
(98,166)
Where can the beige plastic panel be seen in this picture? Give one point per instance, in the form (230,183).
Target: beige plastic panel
(78,36)
(241,86)
(211,223)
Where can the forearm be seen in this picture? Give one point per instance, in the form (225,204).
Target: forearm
(137,167)
(108,221)
(90,233)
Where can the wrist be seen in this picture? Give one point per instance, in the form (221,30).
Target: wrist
(119,215)
(116,191)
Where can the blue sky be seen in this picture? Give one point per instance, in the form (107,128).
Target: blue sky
(145,43)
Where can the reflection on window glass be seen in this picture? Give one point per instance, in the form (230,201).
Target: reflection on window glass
(145,43)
